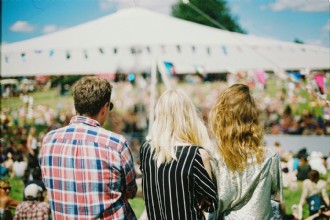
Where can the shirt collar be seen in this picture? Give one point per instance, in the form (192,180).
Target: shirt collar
(85,120)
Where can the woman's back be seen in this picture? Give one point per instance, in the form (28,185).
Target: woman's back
(248,194)
(175,189)
(314,188)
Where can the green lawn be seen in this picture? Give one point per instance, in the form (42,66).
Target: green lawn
(52,98)
(49,98)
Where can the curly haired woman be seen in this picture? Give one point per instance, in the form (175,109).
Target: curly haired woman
(248,175)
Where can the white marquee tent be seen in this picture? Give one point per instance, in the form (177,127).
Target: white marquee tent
(132,39)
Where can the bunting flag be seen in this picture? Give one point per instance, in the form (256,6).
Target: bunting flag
(224,49)
(131,77)
(208,50)
(23,56)
(68,55)
(319,78)
(51,53)
(85,54)
(200,70)
(193,49)
(170,68)
(38,51)
(261,76)
(295,76)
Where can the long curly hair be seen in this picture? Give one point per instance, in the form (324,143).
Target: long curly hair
(234,122)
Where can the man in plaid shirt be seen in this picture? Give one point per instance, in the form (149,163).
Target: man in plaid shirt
(88,171)
(34,208)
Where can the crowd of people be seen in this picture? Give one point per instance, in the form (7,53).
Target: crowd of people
(24,129)
(305,168)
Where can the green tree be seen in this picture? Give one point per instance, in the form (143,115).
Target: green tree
(208,12)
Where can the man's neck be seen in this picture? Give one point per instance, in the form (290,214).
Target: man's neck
(96,118)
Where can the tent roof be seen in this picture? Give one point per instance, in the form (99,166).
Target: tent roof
(140,29)
(136,26)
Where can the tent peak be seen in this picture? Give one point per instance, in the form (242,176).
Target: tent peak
(137,11)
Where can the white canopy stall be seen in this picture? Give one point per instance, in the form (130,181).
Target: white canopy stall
(136,40)
(131,39)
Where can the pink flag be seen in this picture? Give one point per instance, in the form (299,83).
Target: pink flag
(261,76)
(319,78)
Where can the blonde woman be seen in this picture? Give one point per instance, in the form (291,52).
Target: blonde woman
(176,180)
(248,175)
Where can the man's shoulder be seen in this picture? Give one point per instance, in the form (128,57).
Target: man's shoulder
(23,204)
(104,136)
(271,153)
(114,137)
(54,131)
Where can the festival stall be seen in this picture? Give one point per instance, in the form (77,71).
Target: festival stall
(131,40)
(137,41)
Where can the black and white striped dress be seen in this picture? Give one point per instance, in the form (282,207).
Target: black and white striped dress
(174,190)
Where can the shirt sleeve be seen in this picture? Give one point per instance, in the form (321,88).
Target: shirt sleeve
(129,172)
(205,187)
(277,183)
(304,191)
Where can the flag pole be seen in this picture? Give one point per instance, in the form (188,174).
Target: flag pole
(152,95)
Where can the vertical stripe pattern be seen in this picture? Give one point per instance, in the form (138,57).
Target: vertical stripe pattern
(175,190)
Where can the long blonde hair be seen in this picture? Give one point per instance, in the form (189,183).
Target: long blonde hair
(234,121)
(176,119)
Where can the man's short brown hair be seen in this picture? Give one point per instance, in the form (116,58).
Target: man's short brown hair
(90,94)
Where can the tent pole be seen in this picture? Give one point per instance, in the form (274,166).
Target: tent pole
(152,95)
(165,77)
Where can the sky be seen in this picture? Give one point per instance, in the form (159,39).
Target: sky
(286,20)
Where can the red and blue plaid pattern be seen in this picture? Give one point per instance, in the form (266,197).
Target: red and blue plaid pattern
(32,210)
(88,172)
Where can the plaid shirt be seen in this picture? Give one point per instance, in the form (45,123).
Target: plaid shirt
(32,210)
(88,172)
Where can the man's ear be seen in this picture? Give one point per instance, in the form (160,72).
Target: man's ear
(105,109)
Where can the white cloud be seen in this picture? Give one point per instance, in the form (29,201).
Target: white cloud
(316,42)
(326,27)
(22,26)
(300,5)
(157,5)
(49,29)
(323,39)
(109,4)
